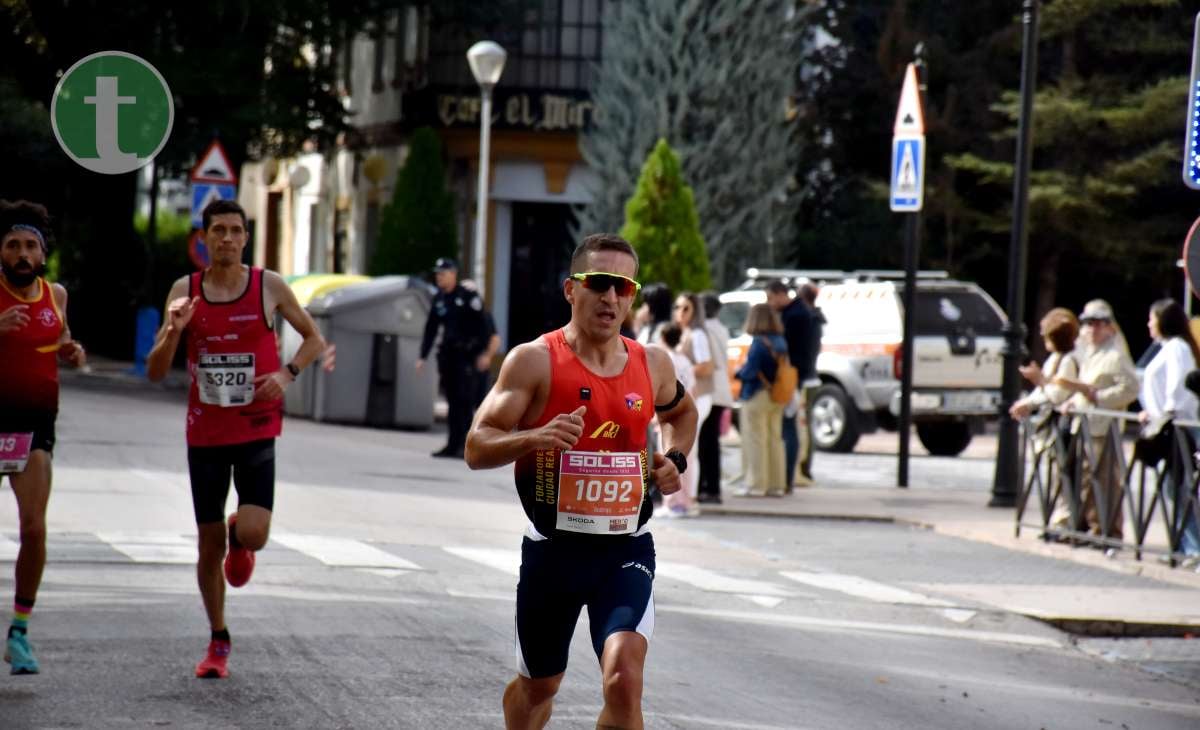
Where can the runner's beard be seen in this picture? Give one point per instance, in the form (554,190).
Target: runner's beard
(21,275)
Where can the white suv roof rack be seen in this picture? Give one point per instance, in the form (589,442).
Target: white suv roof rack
(756,277)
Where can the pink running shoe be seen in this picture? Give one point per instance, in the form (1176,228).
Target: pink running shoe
(239,562)
(214,665)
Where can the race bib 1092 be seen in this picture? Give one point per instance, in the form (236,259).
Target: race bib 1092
(599,493)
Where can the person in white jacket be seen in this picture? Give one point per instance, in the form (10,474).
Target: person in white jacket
(1164,393)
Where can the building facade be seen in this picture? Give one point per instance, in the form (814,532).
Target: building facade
(322,212)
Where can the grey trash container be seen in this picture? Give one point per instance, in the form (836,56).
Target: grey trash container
(377,327)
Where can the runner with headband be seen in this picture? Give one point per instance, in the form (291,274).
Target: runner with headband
(34,338)
(571,409)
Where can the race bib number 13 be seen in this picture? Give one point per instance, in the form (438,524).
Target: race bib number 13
(14,452)
(226,380)
(599,493)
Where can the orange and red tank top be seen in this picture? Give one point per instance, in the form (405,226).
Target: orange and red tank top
(29,356)
(229,344)
(600,487)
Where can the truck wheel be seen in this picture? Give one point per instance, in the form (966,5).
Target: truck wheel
(833,419)
(944,438)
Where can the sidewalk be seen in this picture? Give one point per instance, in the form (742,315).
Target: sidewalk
(1170,610)
(1102,611)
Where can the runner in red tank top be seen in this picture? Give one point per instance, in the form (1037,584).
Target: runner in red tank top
(33,338)
(235,404)
(571,409)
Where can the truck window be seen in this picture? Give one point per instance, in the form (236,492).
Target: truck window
(941,312)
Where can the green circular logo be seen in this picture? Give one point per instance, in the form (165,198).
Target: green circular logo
(112,112)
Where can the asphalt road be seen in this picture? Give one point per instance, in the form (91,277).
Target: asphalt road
(385,599)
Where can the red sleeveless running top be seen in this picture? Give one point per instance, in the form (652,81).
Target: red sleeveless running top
(619,409)
(29,356)
(229,344)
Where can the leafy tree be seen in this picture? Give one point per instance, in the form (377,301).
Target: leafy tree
(713,79)
(419,225)
(1105,193)
(661,223)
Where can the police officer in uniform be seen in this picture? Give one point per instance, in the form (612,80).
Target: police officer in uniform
(465,339)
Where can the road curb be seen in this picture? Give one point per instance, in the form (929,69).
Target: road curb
(1115,628)
(121,380)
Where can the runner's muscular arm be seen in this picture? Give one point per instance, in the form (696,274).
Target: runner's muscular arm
(271,386)
(297,316)
(176,314)
(68,349)
(678,424)
(492,440)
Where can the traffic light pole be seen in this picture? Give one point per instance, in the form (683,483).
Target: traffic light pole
(1007,478)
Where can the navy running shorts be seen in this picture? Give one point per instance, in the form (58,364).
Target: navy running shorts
(612,576)
(253,468)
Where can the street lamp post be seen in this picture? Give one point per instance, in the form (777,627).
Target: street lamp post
(487,63)
(1006,482)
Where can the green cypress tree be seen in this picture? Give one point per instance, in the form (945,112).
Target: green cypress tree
(418,226)
(661,223)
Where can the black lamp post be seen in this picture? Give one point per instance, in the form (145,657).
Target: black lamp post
(1007,479)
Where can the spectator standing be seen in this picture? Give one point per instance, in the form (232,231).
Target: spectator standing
(809,380)
(1059,329)
(797,322)
(1164,393)
(697,350)
(1107,380)
(463,352)
(761,419)
(654,312)
(671,336)
(709,442)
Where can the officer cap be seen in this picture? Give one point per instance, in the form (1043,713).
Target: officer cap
(445,264)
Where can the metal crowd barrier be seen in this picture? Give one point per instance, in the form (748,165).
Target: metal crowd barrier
(1059,463)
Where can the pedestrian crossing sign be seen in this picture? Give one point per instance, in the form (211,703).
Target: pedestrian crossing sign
(908,173)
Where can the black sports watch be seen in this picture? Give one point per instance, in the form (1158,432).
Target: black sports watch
(678,459)
(291,368)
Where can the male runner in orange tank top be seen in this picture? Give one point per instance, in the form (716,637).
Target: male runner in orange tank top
(571,410)
(33,337)
(235,404)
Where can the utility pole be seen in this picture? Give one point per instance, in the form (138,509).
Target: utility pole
(1007,479)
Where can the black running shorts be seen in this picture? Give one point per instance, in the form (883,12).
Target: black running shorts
(39,422)
(614,580)
(253,468)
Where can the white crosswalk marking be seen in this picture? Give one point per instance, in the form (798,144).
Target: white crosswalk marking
(152,547)
(8,548)
(760,592)
(342,552)
(859,587)
(507,561)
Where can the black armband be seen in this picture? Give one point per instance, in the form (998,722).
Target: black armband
(680,391)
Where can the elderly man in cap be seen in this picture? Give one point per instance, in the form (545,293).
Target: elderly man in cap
(1107,379)
(463,351)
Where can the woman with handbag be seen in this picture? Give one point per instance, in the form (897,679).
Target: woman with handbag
(761,419)
(1165,394)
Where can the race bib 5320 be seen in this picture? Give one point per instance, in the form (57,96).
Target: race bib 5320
(226,380)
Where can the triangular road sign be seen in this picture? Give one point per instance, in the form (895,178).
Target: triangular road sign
(910,119)
(214,166)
